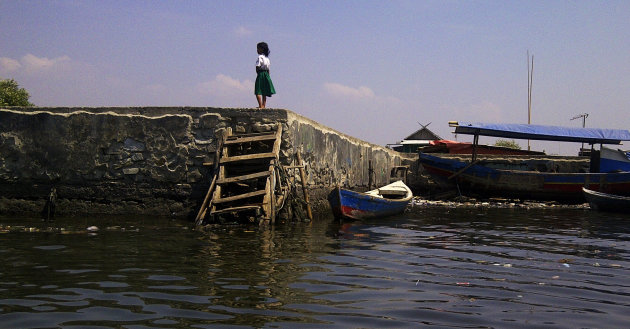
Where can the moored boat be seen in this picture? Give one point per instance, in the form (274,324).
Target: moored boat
(607,202)
(531,177)
(388,200)
(613,160)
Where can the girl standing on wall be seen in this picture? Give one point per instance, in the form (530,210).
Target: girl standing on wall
(263,87)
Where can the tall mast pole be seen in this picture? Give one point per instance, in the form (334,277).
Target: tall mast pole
(530,81)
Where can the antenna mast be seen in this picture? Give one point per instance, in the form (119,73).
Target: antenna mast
(583,116)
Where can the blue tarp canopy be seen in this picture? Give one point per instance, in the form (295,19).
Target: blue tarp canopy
(547,133)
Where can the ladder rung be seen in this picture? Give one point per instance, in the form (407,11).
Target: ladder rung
(240,196)
(248,157)
(243,177)
(235,209)
(239,140)
(293,167)
(252,134)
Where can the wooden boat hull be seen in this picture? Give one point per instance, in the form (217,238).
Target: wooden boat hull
(607,202)
(478,179)
(612,160)
(354,205)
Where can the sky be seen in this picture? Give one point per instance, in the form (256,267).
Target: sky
(375,70)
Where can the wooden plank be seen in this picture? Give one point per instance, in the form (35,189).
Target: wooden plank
(243,177)
(206,200)
(227,134)
(217,190)
(276,144)
(304,190)
(268,206)
(239,140)
(239,135)
(240,196)
(236,209)
(248,157)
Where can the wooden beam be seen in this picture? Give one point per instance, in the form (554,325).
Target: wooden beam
(304,190)
(236,209)
(276,145)
(239,140)
(240,196)
(243,177)
(248,157)
(206,200)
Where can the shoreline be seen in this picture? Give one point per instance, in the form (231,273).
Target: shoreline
(463,202)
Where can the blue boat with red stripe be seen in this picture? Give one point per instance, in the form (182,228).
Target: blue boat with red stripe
(385,201)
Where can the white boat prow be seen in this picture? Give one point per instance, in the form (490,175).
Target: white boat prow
(395,190)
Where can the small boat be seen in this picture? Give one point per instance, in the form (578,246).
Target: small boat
(388,200)
(607,202)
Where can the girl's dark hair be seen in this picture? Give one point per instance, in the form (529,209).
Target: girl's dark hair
(264,47)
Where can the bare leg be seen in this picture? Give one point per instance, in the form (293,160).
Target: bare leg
(264,103)
(261,104)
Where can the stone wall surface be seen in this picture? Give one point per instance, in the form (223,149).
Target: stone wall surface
(151,160)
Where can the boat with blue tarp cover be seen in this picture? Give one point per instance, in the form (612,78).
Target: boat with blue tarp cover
(388,200)
(532,177)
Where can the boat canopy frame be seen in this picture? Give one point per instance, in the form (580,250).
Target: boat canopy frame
(540,132)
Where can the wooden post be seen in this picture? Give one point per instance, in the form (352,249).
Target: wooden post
(207,201)
(370,172)
(474,147)
(303,178)
(202,211)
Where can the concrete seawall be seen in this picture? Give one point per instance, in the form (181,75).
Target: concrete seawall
(149,160)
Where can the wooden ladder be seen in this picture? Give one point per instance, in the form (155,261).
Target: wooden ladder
(245,177)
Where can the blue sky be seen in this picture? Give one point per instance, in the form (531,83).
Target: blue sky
(370,69)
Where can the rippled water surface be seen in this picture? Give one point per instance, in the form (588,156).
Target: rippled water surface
(442,268)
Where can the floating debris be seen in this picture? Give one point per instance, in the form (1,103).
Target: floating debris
(493,203)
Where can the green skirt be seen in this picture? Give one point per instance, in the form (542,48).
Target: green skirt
(263,85)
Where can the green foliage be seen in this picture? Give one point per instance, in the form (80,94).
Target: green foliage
(12,95)
(509,144)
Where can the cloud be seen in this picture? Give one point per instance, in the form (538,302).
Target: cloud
(340,90)
(31,64)
(243,31)
(9,64)
(225,85)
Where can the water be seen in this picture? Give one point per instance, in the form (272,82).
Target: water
(441,268)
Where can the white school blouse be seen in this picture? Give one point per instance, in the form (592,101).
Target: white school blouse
(263,62)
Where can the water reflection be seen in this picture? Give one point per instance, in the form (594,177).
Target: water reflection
(432,267)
